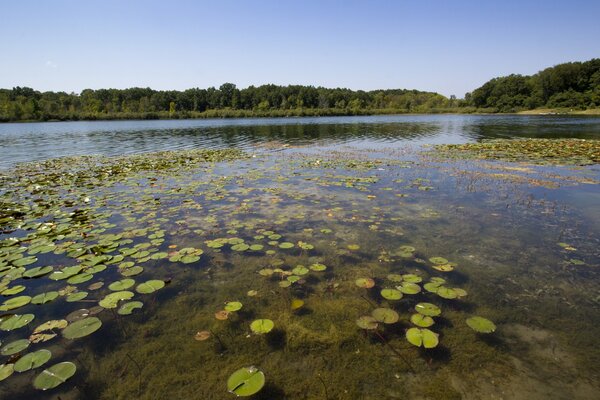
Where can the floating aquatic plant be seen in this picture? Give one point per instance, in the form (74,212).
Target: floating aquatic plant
(391,294)
(81,328)
(481,325)
(422,337)
(261,326)
(246,381)
(385,315)
(367,322)
(32,360)
(232,306)
(55,375)
(365,283)
(428,309)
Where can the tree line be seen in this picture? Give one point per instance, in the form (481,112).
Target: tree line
(23,103)
(573,85)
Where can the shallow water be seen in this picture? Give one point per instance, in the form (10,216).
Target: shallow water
(524,238)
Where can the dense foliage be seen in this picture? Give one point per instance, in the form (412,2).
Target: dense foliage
(22,103)
(573,85)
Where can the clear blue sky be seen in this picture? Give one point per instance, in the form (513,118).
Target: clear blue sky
(450,47)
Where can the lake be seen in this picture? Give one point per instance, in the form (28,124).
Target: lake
(297,258)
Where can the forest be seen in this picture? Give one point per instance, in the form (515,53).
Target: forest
(574,85)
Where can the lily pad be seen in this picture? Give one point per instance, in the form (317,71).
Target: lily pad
(150,286)
(260,326)
(6,370)
(127,308)
(233,306)
(422,337)
(391,294)
(37,272)
(365,283)
(77,296)
(16,322)
(481,325)
(246,381)
(421,320)
(286,245)
(317,267)
(446,293)
(55,375)
(15,302)
(14,347)
(438,260)
(43,298)
(81,328)
(428,309)
(122,284)
(409,288)
(111,300)
(32,360)
(385,315)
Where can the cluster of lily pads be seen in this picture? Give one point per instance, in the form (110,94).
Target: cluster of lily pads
(410,284)
(539,151)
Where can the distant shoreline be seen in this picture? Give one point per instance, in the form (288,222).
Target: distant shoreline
(299,113)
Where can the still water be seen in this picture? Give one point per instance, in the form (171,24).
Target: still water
(340,236)
(39,141)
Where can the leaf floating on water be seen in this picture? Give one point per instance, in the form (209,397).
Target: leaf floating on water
(32,360)
(385,315)
(367,322)
(6,370)
(150,286)
(81,328)
(55,375)
(246,381)
(128,308)
(14,347)
(481,325)
(422,337)
(260,326)
(233,306)
(365,283)
(16,322)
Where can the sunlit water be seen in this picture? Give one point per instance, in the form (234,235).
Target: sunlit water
(524,238)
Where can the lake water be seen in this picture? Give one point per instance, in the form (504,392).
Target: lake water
(319,226)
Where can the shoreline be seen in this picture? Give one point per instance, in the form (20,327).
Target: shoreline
(301,113)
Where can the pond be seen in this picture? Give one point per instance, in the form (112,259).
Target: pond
(325,258)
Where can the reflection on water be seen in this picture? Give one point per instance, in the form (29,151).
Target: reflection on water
(38,141)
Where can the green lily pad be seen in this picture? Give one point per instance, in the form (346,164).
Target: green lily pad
(80,278)
(14,347)
(81,328)
(43,298)
(395,277)
(422,337)
(391,294)
(77,296)
(32,360)
(446,293)
(261,326)
(16,322)
(385,315)
(286,245)
(37,272)
(481,325)
(123,284)
(127,308)
(22,262)
(317,267)
(421,320)
(300,270)
(367,322)
(132,271)
(412,278)
(13,290)
(409,288)
(246,381)
(55,375)
(150,286)
(240,247)
(232,306)
(431,310)
(15,302)
(111,300)
(6,370)
(438,260)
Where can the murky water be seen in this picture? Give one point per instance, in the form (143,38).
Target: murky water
(357,196)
